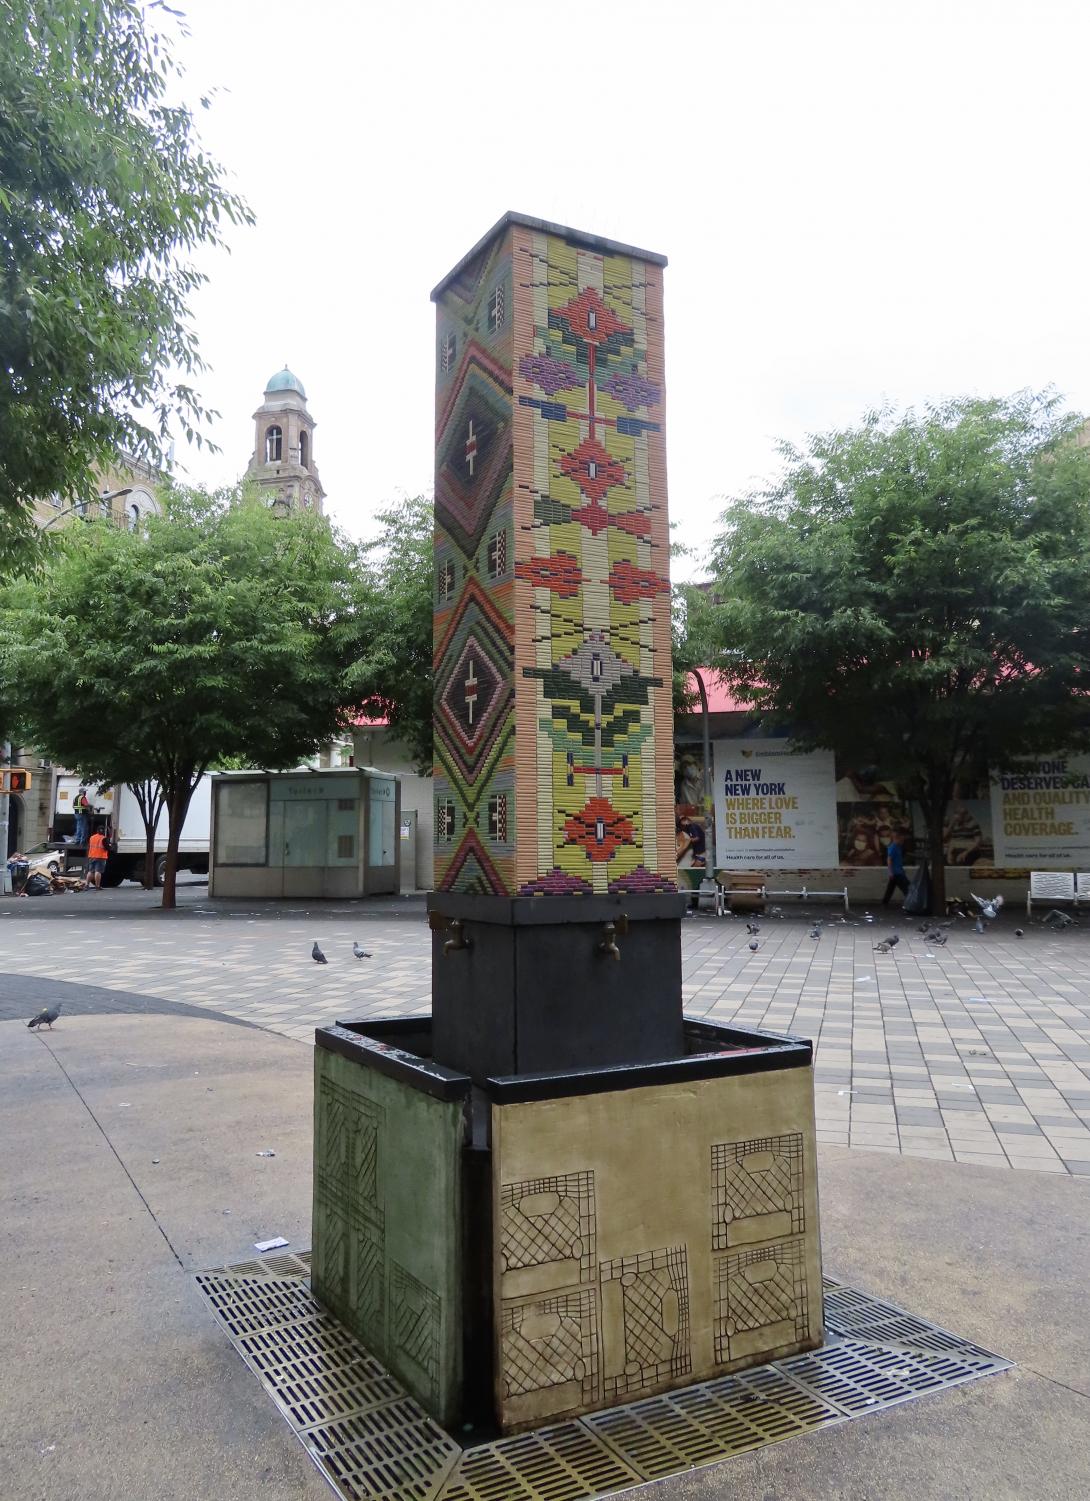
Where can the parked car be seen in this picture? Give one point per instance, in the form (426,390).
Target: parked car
(49,858)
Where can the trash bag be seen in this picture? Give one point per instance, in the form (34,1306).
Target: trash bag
(917,901)
(37,885)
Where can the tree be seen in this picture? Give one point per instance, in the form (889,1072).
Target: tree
(150,799)
(104,189)
(916,591)
(222,630)
(394,674)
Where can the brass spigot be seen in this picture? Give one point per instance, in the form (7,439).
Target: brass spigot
(608,942)
(459,938)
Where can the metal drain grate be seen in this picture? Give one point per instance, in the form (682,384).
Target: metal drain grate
(367,1436)
(393,1450)
(374,1442)
(859,1377)
(712,1421)
(553,1464)
(858,1316)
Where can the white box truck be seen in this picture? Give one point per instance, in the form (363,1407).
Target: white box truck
(116,812)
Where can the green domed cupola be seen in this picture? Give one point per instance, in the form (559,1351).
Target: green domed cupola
(284,380)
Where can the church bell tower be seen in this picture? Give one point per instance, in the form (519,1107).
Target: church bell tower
(282,464)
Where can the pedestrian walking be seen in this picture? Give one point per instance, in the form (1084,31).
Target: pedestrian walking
(81,806)
(895,867)
(97,855)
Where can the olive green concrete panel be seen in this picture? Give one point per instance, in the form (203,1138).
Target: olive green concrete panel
(651,1237)
(387,1222)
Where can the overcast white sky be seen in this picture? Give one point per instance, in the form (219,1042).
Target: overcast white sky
(860,202)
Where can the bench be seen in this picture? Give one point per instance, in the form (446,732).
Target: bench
(750,893)
(805,893)
(745,889)
(1052,886)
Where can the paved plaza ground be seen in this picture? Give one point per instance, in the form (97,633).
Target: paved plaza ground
(132,1135)
(977,1051)
(131,1162)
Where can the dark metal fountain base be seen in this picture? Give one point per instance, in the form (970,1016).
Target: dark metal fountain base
(531,984)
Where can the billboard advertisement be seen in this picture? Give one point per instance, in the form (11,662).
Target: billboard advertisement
(1041,814)
(774,806)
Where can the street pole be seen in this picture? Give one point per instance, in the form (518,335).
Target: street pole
(707,885)
(80,508)
(5,878)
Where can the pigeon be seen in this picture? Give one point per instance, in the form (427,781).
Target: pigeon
(1058,920)
(893,940)
(883,947)
(46,1017)
(359,953)
(1019,933)
(935,936)
(988,909)
(754,946)
(317,955)
(753,927)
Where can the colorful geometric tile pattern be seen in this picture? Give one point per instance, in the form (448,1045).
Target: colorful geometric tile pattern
(474,660)
(552,605)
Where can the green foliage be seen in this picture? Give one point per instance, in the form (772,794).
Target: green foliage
(221,631)
(690,644)
(917,590)
(104,189)
(393,676)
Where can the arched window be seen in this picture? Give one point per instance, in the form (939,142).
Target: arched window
(274,440)
(304,450)
(139,507)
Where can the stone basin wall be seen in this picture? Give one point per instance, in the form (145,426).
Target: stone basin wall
(551,1244)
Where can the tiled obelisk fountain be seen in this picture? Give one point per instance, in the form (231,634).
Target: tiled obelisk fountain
(556,1194)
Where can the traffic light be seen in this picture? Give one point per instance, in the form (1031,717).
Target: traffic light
(15,780)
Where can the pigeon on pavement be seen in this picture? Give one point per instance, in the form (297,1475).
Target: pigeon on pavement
(1058,920)
(317,955)
(988,908)
(754,946)
(753,927)
(359,953)
(46,1017)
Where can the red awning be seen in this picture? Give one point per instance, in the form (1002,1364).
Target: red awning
(720,698)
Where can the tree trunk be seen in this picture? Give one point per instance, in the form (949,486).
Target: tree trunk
(148,882)
(149,799)
(179,806)
(178,789)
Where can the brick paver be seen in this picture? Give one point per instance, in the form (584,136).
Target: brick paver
(978,1051)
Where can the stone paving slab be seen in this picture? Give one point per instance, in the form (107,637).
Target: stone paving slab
(978,1051)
